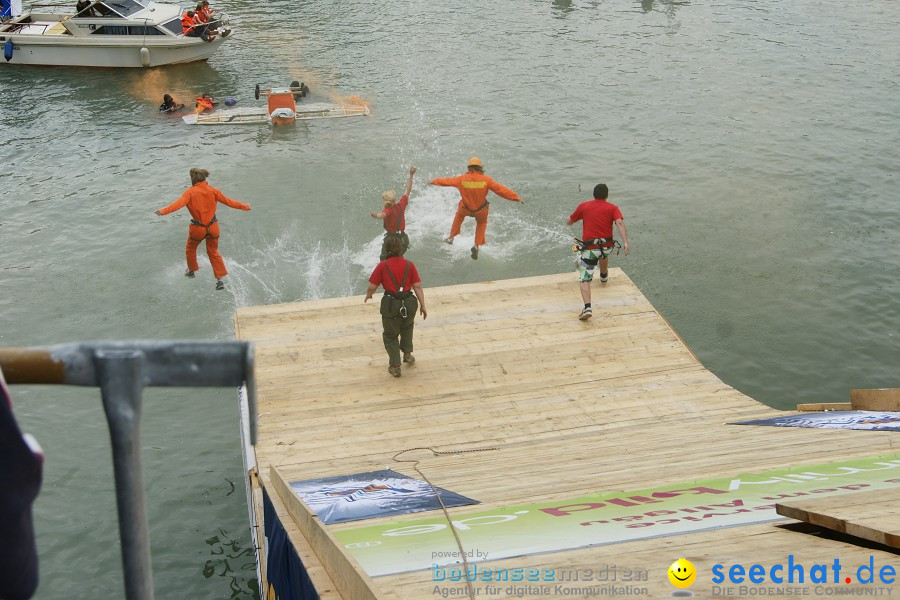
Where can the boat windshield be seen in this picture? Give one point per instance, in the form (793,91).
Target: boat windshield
(123,8)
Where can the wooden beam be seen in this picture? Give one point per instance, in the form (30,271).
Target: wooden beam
(820,406)
(348,576)
(886,399)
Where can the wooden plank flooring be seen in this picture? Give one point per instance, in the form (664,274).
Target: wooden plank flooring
(571,408)
(873,516)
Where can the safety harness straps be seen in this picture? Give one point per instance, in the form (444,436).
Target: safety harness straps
(596,244)
(400,293)
(486,203)
(205,226)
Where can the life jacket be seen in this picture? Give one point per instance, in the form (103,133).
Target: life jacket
(204,104)
(199,18)
(187,23)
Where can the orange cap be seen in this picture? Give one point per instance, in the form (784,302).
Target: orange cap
(475,162)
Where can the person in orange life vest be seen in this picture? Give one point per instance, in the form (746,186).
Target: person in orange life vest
(473,187)
(187,24)
(204,29)
(394,215)
(201,200)
(207,13)
(203,16)
(597,217)
(398,308)
(205,102)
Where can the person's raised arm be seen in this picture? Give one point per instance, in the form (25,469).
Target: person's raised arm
(504,192)
(420,295)
(447,181)
(620,225)
(178,204)
(412,171)
(229,202)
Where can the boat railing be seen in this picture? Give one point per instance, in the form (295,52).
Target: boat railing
(53,8)
(121,370)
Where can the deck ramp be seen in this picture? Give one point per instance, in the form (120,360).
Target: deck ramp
(568,409)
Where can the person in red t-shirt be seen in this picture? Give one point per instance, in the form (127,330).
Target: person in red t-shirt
(201,200)
(597,217)
(398,306)
(394,215)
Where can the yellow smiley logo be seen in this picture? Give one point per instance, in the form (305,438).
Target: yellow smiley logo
(682,573)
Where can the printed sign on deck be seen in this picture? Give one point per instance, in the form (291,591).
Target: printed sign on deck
(609,518)
(373,494)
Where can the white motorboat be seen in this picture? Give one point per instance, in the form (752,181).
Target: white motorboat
(108,33)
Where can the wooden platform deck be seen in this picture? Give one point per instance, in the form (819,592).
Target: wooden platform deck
(873,516)
(569,409)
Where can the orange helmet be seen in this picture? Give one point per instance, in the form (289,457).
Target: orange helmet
(475,162)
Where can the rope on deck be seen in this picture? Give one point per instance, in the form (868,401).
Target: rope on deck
(459,545)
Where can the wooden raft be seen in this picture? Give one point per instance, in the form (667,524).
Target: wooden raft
(873,516)
(618,402)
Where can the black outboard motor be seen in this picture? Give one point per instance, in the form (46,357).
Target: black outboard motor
(300,89)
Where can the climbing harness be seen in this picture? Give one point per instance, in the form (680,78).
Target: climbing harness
(400,294)
(206,226)
(605,245)
(486,203)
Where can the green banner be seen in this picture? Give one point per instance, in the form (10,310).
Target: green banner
(608,518)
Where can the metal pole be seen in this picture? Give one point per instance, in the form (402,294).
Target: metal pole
(119,377)
(122,370)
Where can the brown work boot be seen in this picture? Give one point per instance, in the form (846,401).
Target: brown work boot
(395,371)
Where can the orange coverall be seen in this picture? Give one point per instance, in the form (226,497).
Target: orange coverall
(201,199)
(473,187)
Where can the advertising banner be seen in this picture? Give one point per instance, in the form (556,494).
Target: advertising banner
(835,419)
(608,518)
(369,495)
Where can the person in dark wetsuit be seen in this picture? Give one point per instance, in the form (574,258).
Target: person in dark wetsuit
(169,105)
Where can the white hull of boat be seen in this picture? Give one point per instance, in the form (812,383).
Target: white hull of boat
(108,52)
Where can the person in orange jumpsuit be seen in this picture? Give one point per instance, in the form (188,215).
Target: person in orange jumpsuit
(201,199)
(474,187)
